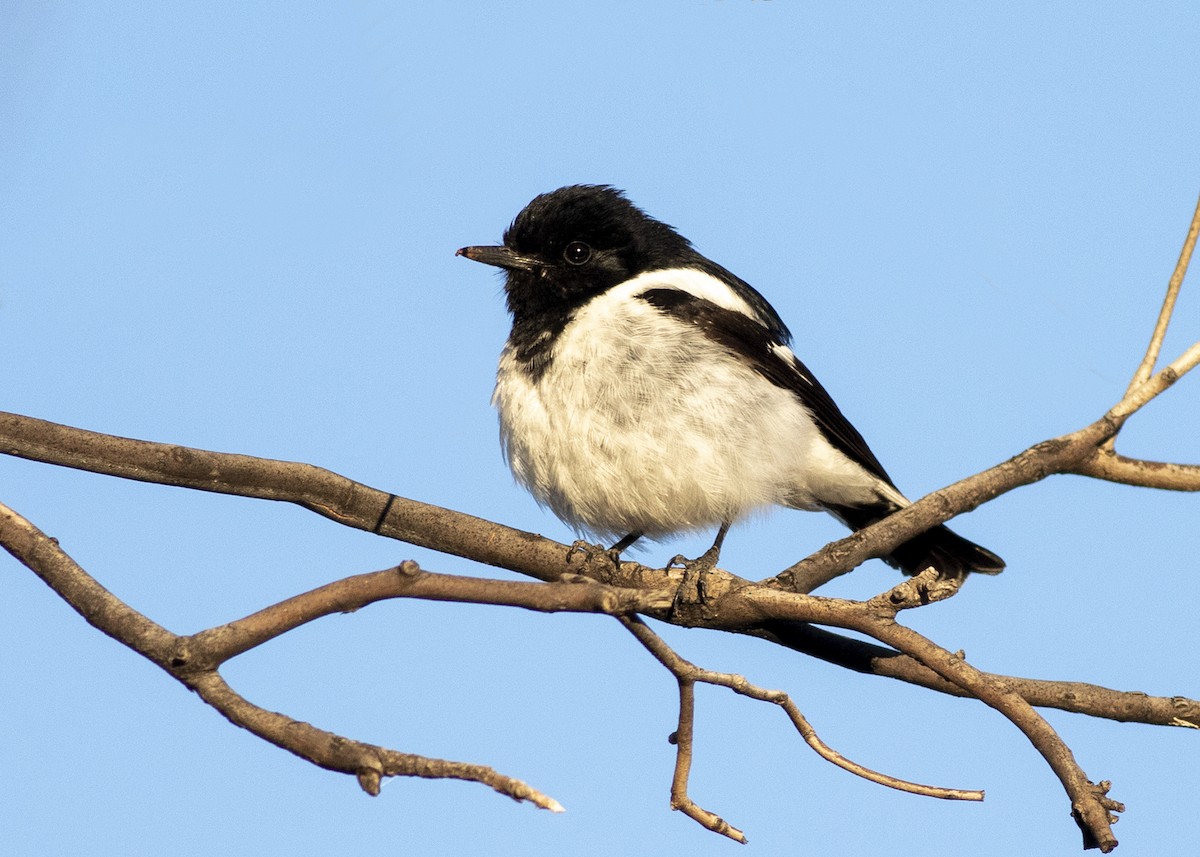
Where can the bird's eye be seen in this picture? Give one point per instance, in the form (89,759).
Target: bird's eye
(577,253)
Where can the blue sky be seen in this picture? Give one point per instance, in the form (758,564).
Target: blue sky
(233,226)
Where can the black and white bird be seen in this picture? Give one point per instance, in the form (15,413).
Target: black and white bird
(646,391)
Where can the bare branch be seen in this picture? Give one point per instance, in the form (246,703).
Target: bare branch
(917,591)
(1142,394)
(1168,307)
(102,610)
(329,494)
(683,735)
(1106,464)
(1072,696)
(683,738)
(408,580)
(369,763)
(1059,455)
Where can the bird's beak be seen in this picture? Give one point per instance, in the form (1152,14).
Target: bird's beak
(501,257)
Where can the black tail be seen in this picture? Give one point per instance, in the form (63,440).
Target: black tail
(941,547)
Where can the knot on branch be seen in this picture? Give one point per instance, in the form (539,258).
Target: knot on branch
(1187,712)
(925,588)
(369,779)
(179,658)
(409,568)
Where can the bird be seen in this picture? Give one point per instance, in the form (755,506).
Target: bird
(645,391)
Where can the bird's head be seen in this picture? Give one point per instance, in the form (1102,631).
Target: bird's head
(573,243)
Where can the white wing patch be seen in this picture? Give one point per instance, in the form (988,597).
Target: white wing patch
(690,280)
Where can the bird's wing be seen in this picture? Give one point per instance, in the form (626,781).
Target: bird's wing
(767,353)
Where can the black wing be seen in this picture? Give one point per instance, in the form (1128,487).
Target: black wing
(749,340)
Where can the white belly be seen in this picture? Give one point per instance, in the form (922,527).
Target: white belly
(627,430)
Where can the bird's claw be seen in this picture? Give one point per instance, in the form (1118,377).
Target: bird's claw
(593,553)
(693,590)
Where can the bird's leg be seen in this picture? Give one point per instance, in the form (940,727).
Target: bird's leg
(625,542)
(707,560)
(691,588)
(591,551)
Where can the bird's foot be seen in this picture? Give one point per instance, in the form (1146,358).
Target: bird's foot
(594,553)
(707,561)
(693,587)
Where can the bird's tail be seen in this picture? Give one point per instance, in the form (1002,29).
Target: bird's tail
(941,547)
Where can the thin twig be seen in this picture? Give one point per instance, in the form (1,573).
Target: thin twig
(1168,306)
(685,671)
(683,738)
(1113,467)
